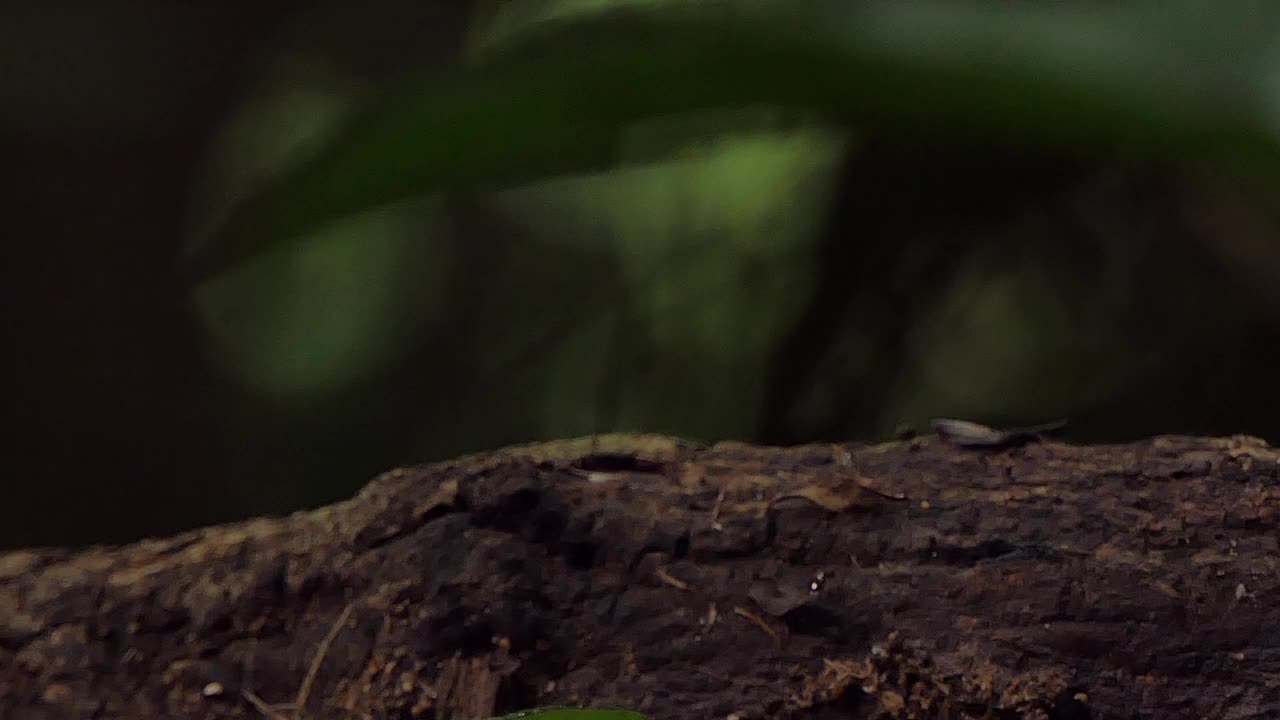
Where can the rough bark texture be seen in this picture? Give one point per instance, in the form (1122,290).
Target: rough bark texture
(1039,581)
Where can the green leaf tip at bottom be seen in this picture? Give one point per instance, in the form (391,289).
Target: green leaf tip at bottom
(566,713)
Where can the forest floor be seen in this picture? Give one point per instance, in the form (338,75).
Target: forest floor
(911,579)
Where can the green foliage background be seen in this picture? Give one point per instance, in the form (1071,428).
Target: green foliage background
(403,234)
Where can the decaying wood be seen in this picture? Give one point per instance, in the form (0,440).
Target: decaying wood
(910,579)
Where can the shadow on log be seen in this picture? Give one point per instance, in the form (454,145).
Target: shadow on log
(911,579)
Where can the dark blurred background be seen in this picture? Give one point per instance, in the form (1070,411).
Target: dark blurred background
(772,278)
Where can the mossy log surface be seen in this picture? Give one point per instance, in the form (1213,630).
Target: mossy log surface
(906,579)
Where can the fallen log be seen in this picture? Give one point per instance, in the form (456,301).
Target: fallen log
(912,579)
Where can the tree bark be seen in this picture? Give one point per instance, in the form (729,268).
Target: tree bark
(907,579)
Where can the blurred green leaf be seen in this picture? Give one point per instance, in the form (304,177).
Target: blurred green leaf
(356,295)
(554,97)
(715,255)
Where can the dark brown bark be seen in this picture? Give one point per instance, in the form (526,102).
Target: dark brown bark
(910,579)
